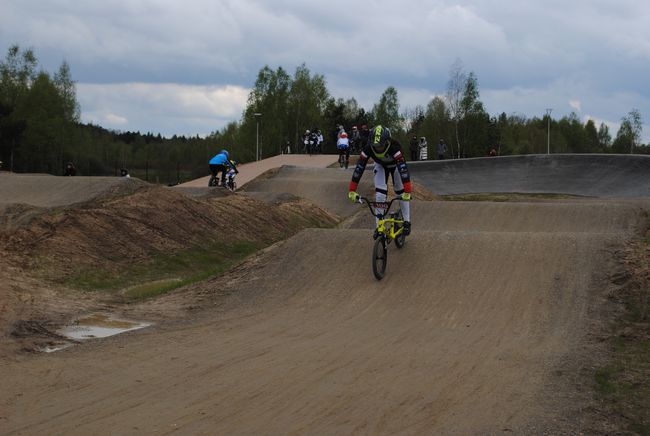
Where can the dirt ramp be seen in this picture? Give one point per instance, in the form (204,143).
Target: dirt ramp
(460,337)
(605,175)
(593,216)
(43,190)
(326,187)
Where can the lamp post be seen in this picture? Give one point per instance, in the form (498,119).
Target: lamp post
(548,130)
(257,135)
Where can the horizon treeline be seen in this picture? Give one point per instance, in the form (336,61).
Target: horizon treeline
(40,127)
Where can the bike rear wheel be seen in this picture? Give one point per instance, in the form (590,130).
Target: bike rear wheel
(379,258)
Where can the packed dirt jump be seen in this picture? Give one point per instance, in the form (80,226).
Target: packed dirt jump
(484,323)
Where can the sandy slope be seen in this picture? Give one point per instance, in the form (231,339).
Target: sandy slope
(44,190)
(464,335)
(251,170)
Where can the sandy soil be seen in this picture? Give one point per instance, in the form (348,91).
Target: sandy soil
(480,326)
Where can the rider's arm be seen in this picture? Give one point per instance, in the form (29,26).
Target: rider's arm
(403,171)
(358,171)
(231,165)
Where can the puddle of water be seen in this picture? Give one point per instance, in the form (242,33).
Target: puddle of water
(52,349)
(99,326)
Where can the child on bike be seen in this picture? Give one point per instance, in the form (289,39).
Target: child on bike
(230,175)
(386,152)
(343,144)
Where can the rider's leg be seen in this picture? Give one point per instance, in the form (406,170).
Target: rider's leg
(381,185)
(399,190)
(214,172)
(223,170)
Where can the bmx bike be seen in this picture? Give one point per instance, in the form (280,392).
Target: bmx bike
(390,227)
(230,183)
(344,158)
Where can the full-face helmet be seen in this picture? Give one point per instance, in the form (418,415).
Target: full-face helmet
(379,140)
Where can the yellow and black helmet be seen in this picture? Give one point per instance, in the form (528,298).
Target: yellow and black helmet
(380,140)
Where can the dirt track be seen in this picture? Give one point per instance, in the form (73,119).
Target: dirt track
(477,316)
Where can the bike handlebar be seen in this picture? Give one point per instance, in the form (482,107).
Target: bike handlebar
(376,204)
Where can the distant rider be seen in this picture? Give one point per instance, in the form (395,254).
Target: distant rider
(343,145)
(386,152)
(220,164)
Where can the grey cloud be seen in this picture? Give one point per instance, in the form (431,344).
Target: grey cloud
(526,49)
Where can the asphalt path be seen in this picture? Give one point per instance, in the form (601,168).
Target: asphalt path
(597,175)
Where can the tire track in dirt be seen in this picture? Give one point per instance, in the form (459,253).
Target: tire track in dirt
(474,316)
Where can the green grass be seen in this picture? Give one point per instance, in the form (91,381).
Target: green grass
(165,272)
(623,384)
(502,197)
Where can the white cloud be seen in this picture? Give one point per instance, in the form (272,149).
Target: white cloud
(576,104)
(167,108)
(113,119)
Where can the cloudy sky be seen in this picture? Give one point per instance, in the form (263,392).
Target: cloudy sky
(186,67)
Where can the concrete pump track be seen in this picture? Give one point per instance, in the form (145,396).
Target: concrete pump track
(482,324)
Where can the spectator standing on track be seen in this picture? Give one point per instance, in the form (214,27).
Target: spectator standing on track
(319,140)
(364,134)
(305,142)
(442,149)
(414,146)
(355,140)
(424,148)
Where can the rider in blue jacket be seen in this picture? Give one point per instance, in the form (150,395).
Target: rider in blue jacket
(221,163)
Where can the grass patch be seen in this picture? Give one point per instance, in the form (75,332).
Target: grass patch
(623,384)
(503,197)
(165,272)
(604,379)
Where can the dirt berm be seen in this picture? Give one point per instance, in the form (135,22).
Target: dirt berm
(481,326)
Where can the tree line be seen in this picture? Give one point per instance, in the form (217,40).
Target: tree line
(40,127)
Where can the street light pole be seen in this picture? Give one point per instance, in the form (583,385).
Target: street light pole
(548,130)
(257,135)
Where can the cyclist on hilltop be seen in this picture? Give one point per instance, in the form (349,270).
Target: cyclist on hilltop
(388,157)
(220,163)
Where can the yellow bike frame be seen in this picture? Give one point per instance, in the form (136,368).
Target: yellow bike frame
(387,227)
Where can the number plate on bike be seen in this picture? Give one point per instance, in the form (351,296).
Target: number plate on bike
(379,204)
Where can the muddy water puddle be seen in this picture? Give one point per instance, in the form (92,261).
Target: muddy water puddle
(99,326)
(93,327)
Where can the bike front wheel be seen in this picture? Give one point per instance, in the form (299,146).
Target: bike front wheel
(379,258)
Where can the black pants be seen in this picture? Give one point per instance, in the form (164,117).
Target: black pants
(216,169)
(344,161)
